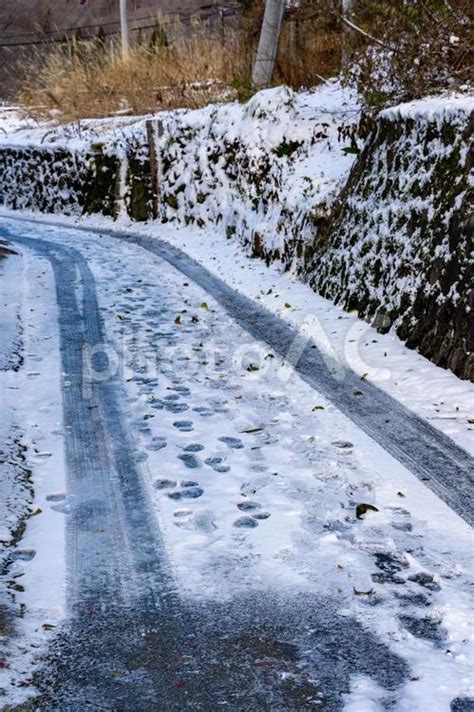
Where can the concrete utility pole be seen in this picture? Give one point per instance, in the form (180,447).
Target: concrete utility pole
(268,46)
(348,35)
(124,28)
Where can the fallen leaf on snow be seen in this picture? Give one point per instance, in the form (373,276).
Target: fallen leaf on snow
(363,508)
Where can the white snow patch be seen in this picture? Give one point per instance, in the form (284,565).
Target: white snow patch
(292,464)
(31,399)
(431,108)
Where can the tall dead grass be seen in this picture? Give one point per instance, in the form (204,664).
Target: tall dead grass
(89,79)
(86,80)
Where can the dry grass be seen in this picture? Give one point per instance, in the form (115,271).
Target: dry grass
(304,58)
(86,80)
(201,65)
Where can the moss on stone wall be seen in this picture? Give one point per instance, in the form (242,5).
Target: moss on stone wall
(396,245)
(138,198)
(58,181)
(399,240)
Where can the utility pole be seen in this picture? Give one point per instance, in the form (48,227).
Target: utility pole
(268,45)
(348,35)
(124,28)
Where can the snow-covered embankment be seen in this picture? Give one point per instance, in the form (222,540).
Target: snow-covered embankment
(385,232)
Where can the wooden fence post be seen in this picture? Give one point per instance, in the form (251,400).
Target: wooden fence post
(154,131)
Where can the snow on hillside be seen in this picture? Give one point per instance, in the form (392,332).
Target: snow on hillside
(265,170)
(11,122)
(432,107)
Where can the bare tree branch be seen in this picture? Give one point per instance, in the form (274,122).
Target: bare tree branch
(358,29)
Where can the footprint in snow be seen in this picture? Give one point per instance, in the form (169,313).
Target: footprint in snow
(182,513)
(204,411)
(417,600)
(342,444)
(402,526)
(184,426)
(193,447)
(157,443)
(391,567)
(145,389)
(201,521)
(23,555)
(56,497)
(190,460)
(186,493)
(253,508)
(183,390)
(427,628)
(256,456)
(249,488)
(249,506)
(462,704)
(233,443)
(164,484)
(176,407)
(246,523)
(204,521)
(426,580)
(138,378)
(217,464)
(257,467)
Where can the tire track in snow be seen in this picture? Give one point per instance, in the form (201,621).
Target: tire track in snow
(100,454)
(121,593)
(434,458)
(431,456)
(124,646)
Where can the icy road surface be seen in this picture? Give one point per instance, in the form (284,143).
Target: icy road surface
(203,525)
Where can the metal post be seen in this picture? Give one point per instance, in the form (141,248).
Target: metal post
(348,35)
(154,129)
(268,46)
(124,28)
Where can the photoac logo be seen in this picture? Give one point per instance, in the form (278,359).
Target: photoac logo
(314,347)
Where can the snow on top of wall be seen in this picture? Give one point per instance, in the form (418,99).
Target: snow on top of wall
(431,108)
(280,109)
(252,165)
(18,132)
(10,121)
(277,111)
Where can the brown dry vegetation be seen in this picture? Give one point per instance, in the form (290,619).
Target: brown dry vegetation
(400,51)
(87,80)
(186,68)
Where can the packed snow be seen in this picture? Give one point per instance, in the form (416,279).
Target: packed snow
(32,474)
(256,478)
(431,108)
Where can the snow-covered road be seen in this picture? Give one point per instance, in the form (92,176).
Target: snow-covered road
(246,524)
